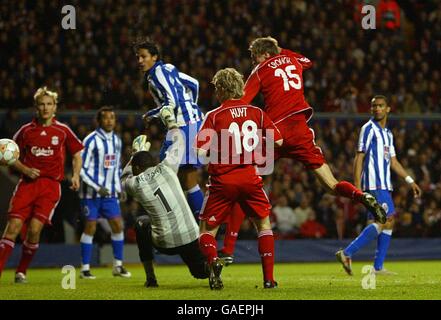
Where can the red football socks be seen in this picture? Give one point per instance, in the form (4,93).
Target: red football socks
(6,247)
(208,246)
(28,252)
(266,250)
(232,230)
(348,190)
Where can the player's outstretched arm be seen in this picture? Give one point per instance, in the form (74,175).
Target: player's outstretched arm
(398,168)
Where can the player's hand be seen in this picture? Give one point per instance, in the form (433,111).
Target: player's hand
(140,143)
(103,192)
(32,173)
(167,116)
(75,183)
(417,192)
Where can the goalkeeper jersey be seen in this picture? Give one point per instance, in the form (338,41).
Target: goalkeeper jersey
(159,192)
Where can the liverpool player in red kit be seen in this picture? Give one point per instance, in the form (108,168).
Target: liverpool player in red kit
(42,145)
(278,76)
(234,182)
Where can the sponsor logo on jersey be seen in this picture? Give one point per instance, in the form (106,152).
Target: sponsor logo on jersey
(109,161)
(43,133)
(42,152)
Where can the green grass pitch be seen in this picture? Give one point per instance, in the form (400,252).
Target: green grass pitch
(415,280)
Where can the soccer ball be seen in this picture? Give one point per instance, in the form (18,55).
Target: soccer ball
(140,143)
(9,152)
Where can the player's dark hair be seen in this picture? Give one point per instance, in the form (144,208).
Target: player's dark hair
(380,96)
(143,160)
(99,113)
(148,44)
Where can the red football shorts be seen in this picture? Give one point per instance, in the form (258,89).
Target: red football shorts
(298,142)
(35,199)
(241,186)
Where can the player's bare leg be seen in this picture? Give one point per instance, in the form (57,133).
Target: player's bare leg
(117,236)
(13,229)
(208,246)
(29,248)
(7,242)
(348,190)
(266,251)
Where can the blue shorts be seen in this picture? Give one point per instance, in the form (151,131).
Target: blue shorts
(190,157)
(100,207)
(384,198)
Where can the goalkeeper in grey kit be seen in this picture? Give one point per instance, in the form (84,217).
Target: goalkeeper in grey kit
(169,225)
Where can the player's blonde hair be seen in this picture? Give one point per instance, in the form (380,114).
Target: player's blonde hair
(228,83)
(43,91)
(264,45)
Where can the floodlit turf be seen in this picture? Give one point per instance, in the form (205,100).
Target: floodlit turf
(415,280)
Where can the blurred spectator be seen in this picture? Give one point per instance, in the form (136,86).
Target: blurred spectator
(432,219)
(302,212)
(311,228)
(388,13)
(410,105)
(285,219)
(10,124)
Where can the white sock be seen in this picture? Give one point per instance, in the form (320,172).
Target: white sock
(85,267)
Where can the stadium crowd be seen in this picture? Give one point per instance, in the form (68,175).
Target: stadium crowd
(95,65)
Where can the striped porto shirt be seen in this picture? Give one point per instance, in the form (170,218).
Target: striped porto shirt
(378,146)
(169,87)
(101,164)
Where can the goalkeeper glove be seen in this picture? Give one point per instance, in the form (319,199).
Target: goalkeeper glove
(168,117)
(140,143)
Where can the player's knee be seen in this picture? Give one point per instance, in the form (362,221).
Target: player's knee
(90,228)
(389,225)
(116,226)
(13,229)
(34,233)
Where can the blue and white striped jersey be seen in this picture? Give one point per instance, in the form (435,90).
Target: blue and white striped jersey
(101,164)
(378,146)
(170,87)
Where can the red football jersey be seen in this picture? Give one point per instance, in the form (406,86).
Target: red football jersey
(234,132)
(280,80)
(44,148)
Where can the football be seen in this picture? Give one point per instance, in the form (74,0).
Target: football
(140,143)
(9,152)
